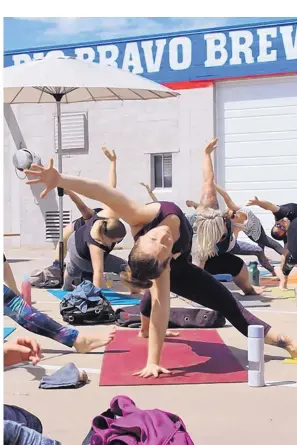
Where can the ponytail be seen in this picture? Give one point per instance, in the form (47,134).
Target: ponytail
(127,278)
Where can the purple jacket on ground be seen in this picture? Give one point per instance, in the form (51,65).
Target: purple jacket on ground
(125,424)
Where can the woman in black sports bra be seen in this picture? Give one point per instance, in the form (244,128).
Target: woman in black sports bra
(93,238)
(89,246)
(159,261)
(85,211)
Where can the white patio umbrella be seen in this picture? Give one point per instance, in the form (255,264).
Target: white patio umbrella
(70,80)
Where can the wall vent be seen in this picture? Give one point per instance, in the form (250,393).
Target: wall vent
(52,224)
(74,131)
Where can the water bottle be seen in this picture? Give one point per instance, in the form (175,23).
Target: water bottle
(256,356)
(26,290)
(254,274)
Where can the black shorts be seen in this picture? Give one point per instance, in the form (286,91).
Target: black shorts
(226,263)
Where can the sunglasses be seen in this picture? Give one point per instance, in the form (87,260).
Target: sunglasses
(233,214)
(280,226)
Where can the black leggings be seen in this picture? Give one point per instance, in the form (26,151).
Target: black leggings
(225,263)
(195,284)
(290,263)
(266,241)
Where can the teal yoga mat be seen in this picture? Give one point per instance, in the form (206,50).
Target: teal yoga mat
(113,297)
(7,331)
(228,278)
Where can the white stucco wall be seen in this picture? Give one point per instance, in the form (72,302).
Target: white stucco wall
(136,129)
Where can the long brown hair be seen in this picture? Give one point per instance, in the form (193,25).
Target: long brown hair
(142,269)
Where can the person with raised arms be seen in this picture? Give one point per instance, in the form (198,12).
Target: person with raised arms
(159,262)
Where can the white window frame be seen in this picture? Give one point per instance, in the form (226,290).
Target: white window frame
(153,179)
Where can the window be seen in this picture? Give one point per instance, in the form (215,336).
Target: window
(162,170)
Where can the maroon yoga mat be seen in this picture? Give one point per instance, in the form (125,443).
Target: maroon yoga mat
(197,356)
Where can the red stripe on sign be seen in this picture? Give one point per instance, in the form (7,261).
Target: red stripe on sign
(256,76)
(189,84)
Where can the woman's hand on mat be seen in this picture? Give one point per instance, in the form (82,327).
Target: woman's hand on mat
(22,350)
(111,155)
(44,175)
(152,370)
(253,202)
(211,146)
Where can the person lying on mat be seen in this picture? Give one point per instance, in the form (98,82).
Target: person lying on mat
(291,256)
(86,211)
(20,426)
(39,323)
(92,241)
(243,219)
(159,262)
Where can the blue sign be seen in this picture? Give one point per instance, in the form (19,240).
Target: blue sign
(189,56)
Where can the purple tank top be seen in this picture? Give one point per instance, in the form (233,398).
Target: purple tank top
(184,243)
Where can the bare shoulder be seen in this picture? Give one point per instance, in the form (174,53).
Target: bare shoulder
(146,214)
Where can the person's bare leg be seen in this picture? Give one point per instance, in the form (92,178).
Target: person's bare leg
(88,342)
(145,324)
(243,282)
(9,279)
(208,196)
(281,341)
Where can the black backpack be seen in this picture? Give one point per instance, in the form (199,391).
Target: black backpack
(86,305)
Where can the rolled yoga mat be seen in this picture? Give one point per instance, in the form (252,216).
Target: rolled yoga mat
(246,301)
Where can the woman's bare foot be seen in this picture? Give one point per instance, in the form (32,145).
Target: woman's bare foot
(282,341)
(254,290)
(145,334)
(88,342)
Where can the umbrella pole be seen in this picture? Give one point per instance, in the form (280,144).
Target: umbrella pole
(58,98)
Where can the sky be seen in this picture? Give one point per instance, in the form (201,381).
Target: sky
(32,32)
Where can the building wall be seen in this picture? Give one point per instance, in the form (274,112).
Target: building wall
(192,62)
(135,130)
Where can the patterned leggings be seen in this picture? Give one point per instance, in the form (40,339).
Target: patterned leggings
(34,321)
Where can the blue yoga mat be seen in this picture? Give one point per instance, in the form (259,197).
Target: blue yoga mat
(7,331)
(264,272)
(223,277)
(113,297)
